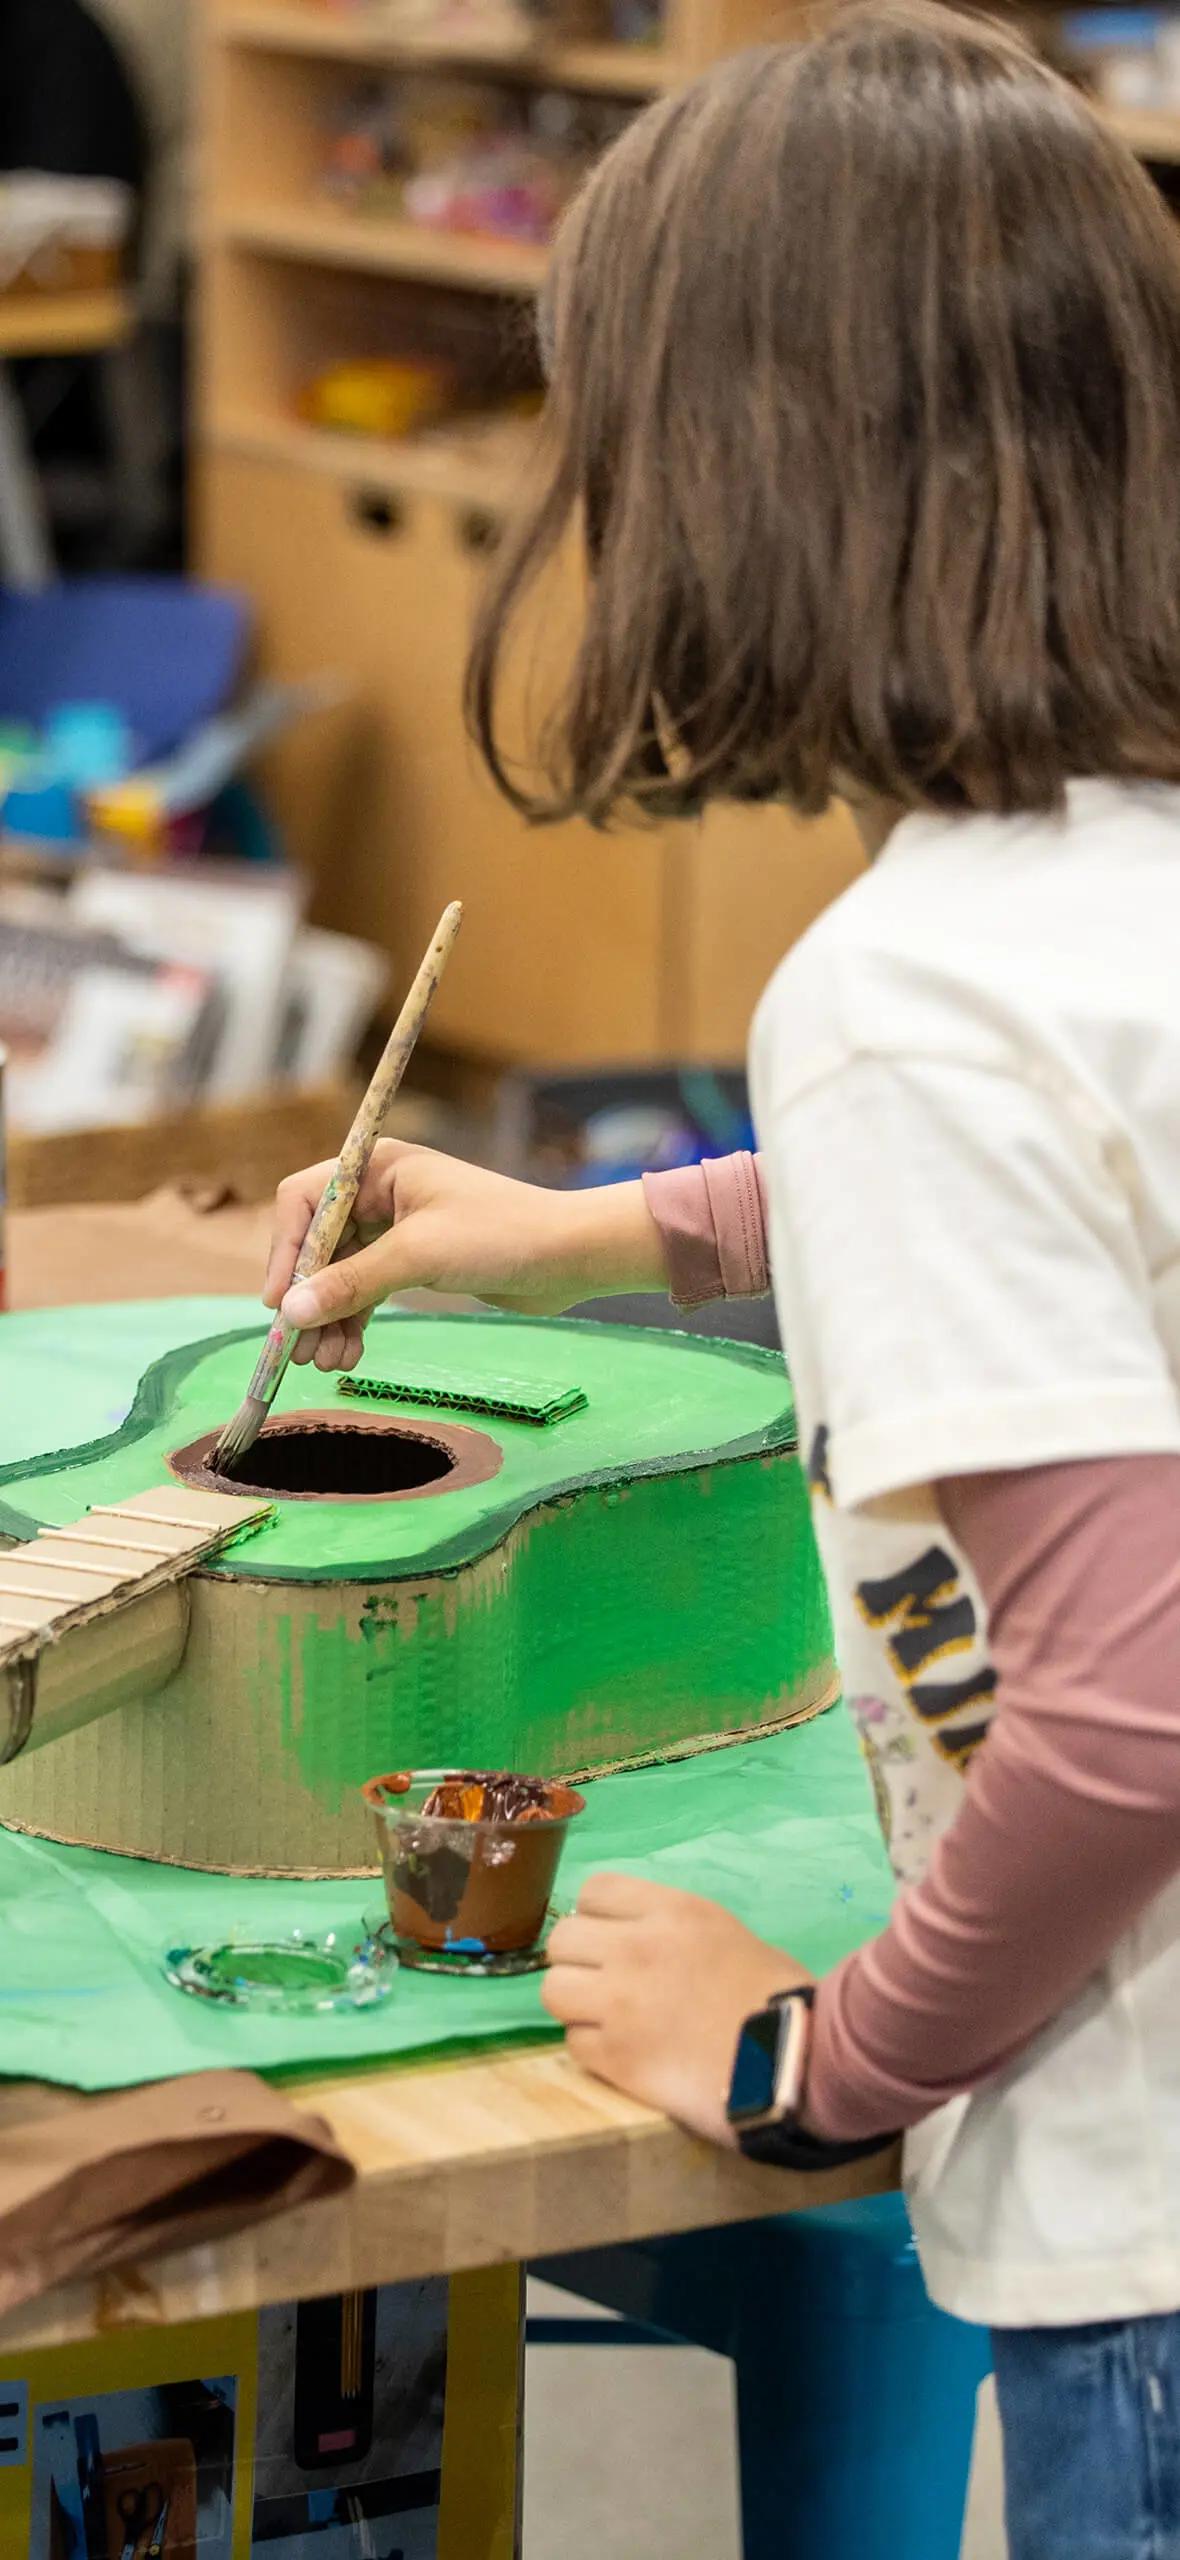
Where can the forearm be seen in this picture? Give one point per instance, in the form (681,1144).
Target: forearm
(698,1232)
(1071,1823)
(609,1243)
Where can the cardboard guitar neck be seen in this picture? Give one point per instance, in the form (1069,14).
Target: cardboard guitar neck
(111,1582)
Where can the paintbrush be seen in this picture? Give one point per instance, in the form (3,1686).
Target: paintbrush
(339,1196)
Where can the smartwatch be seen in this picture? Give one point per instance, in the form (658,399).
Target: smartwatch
(766,2090)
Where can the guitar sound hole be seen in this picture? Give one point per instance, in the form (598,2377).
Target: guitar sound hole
(342,1461)
(321,1457)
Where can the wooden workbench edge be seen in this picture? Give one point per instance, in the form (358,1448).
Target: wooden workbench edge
(462,2165)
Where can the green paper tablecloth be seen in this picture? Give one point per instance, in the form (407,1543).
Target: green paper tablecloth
(782,1831)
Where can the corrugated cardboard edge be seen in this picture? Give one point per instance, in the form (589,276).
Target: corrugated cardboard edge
(162,1858)
(825,1683)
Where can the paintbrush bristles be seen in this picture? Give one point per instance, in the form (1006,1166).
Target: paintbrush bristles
(239,1435)
(338,1198)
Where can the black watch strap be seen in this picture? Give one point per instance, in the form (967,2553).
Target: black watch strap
(781,2143)
(786,2146)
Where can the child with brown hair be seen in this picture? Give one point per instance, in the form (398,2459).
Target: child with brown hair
(865,405)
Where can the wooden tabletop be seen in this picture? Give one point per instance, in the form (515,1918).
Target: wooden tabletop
(466,2163)
(462,2164)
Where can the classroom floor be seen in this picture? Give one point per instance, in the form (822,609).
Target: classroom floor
(630,2456)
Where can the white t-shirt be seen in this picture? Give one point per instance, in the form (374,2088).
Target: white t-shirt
(966,1085)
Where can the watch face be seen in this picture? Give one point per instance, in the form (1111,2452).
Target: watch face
(755,2072)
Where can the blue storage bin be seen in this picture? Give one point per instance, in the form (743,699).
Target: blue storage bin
(856,2397)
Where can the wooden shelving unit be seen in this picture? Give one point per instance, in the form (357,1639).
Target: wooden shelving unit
(475,466)
(303,27)
(324,237)
(38,324)
(363,557)
(297,27)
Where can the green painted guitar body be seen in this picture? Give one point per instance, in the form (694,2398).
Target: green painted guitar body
(632,1580)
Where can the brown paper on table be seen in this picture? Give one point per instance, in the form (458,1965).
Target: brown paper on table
(173,1243)
(87,2184)
(182,1241)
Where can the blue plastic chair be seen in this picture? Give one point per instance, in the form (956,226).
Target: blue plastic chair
(856,2397)
(168,653)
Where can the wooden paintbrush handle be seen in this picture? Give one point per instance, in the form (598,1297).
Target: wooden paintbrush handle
(339,1195)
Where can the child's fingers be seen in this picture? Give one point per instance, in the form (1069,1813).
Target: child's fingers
(350,1242)
(298,1199)
(339,1346)
(579,1941)
(330,1346)
(612,1897)
(353,1343)
(574,1995)
(295,1207)
(354,1286)
(585,2045)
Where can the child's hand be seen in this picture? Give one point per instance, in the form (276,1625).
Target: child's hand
(427,1221)
(653,1986)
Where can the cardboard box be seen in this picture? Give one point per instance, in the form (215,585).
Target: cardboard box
(356,2424)
(247,1146)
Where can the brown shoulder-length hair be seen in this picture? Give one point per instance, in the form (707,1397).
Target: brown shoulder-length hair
(865,411)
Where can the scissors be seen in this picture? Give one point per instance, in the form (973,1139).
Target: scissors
(143,2514)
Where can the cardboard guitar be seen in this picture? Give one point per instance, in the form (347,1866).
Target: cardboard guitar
(555,1546)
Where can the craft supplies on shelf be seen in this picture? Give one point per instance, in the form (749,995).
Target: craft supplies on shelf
(79,788)
(46,782)
(96,1035)
(333,991)
(383,396)
(125,995)
(629,53)
(423,389)
(465,156)
(234,925)
(479,26)
(483,29)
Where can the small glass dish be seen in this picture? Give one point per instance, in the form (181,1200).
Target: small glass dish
(295,1976)
(469,1895)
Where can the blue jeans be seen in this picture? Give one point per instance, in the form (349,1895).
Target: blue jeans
(1091,2421)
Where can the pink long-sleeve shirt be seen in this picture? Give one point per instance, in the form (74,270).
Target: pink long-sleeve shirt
(1071,1822)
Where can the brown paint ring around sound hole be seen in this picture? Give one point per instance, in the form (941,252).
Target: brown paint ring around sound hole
(471,1457)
